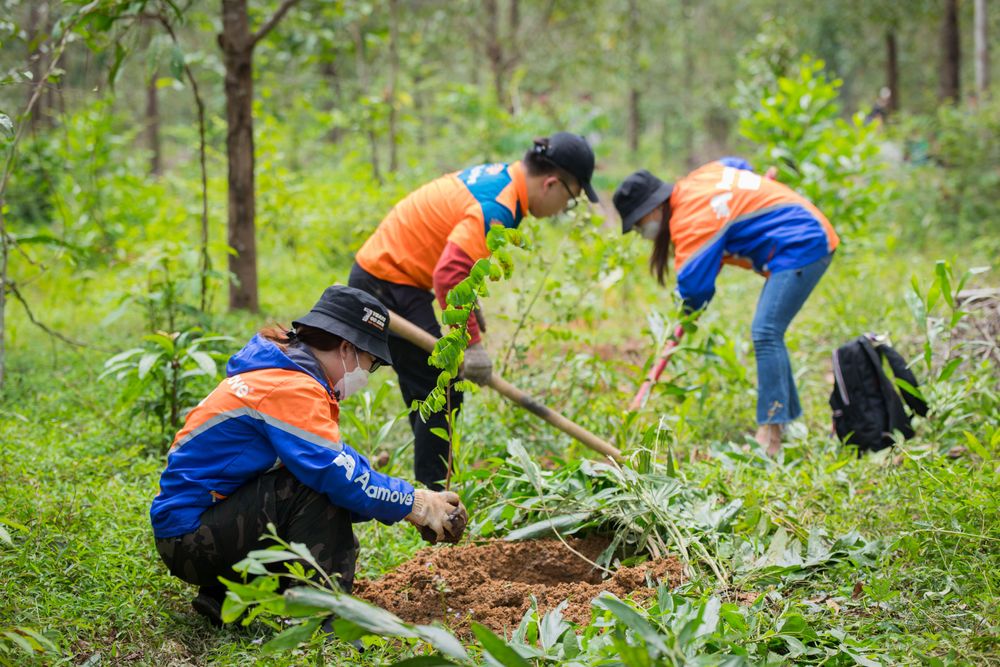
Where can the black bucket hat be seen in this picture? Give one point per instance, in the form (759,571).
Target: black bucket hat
(572,153)
(356,316)
(639,194)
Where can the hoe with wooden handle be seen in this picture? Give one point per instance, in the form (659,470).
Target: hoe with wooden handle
(425,341)
(657,370)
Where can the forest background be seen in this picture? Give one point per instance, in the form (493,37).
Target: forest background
(145,139)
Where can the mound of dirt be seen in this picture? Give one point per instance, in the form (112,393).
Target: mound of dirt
(491,583)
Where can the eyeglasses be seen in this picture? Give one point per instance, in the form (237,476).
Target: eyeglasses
(572,201)
(376,363)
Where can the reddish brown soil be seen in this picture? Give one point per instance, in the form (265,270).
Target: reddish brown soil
(491,583)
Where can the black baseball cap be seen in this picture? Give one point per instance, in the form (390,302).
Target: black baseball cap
(572,153)
(639,194)
(356,316)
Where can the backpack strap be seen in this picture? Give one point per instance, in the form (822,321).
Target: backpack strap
(902,371)
(889,394)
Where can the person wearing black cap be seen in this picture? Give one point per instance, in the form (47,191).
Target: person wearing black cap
(265,447)
(724,213)
(429,242)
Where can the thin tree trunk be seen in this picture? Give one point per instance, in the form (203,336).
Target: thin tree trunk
(237,43)
(237,50)
(8,165)
(418,108)
(3,296)
(494,51)
(362,68)
(393,79)
(951,55)
(153,126)
(511,59)
(687,76)
(892,70)
(332,75)
(634,120)
(982,49)
(206,261)
(38,21)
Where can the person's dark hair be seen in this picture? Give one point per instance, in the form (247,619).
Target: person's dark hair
(311,336)
(536,164)
(658,261)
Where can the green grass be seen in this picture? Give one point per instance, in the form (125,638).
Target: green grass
(77,476)
(77,473)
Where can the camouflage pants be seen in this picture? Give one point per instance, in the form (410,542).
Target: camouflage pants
(232,528)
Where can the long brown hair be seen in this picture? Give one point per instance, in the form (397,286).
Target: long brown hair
(658,265)
(315,338)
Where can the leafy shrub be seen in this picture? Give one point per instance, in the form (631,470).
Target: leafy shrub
(949,184)
(831,161)
(168,375)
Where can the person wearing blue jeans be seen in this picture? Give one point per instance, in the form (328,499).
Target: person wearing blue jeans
(783,296)
(725,213)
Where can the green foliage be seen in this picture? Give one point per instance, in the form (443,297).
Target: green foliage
(462,299)
(832,162)
(960,386)
(948,184)
(168,375)
(921,586)
(675,630)
(651,512)
(19,643)
(165,283)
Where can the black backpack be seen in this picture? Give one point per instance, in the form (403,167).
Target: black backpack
(866,404)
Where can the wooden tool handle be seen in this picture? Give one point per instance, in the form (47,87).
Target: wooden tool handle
(425,341)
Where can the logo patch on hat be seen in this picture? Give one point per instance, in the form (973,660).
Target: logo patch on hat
(376,320)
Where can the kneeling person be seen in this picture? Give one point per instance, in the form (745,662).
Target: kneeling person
(265,447)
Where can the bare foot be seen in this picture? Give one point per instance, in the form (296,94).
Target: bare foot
(769,436)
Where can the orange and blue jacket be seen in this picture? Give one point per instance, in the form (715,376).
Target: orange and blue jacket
(432,237)
(724,213)
(273,409)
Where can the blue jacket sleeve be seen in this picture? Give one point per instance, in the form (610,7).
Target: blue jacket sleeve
(343,475)
(736,162)
(696,279)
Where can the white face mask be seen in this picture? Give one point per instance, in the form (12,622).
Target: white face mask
(353,381)
(650,230)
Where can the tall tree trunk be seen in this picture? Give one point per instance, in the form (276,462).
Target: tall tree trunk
(362,69)
(237,49)
(153,125)
(38,23)
(393,79)
(687,77)
(951,55)
(331,74)
(633,46)
(511,58)
(494,51)
(892,70)
(982,49)
(8,164)
(418,108)
(634,121)
(3,296)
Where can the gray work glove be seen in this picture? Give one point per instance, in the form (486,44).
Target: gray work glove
(440,515)
(478,366)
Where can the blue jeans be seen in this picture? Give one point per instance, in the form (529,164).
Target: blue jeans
(780,300)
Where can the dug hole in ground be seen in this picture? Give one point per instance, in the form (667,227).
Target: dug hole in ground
(492,582)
